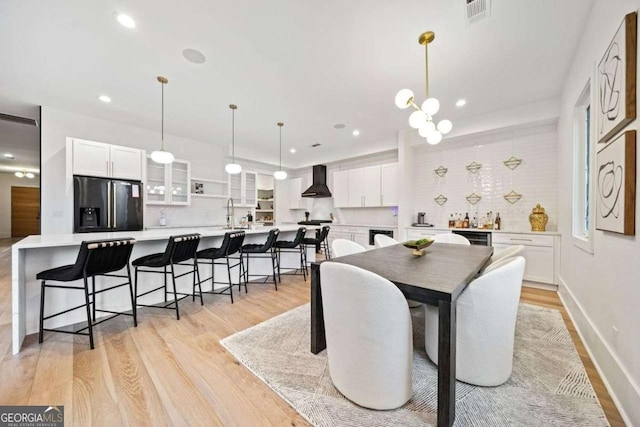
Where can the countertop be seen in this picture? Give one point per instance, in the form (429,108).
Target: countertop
(550,233)
(58,240)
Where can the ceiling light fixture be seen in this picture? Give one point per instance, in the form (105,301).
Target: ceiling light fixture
(422,118)
(125,20)
(104,98)
(22,174)
(293,150)
(233,167)
(163,157)
(194,56)
(356,132)
(461,102)
(9,156)
(29,175)
(280,174)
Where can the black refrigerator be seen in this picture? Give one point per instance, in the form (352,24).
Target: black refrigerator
(105,204)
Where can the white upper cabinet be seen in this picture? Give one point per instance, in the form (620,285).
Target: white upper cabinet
(356,188)
(105,160)
(372,187)
(168,184)
(389,185)
(340,190)
(295,190)
(243,189)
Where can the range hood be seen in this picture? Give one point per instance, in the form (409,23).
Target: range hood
(319,187)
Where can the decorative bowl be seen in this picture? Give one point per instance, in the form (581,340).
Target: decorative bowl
(418,246)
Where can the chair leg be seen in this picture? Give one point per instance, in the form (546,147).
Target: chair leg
(230,286)
(93,297)
(273,269)
(133,302)
(165,283)
(197,274)
(89,324)
(244,271)
(303,264)
(135,290)
(41,331)
(229,274)
(278,254)
(175,292)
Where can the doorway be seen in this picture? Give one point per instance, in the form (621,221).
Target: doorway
(25,211)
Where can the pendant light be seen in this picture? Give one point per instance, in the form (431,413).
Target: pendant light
(280,174)
(233,167)
(163,157)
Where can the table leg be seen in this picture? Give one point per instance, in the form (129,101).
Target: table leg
(446,363)
(318,341)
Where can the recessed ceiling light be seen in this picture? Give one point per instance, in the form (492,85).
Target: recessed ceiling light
(9,156)
(29,175)
(104,98)
(339,126)
(125,20)
(19,174)
(461,102)
(293,150)
(194,56)
(356,132)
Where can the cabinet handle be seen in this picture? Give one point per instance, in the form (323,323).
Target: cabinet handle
(107,164)
(112,168)
(522,240)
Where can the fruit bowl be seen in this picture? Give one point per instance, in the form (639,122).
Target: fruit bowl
(418,246)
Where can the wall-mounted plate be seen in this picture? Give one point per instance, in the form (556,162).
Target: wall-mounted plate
(441,171)
(512,162)
(441,200)
(474,167)
(512,197)
(473,198)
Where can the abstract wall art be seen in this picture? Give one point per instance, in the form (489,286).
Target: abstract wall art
(615,177)
(617,81)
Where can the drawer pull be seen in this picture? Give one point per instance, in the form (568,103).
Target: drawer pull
(522,240)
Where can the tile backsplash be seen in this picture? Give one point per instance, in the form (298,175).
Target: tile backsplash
(535,178)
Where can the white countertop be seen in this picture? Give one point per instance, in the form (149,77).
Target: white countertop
(376,226)
(550,233)
(58,240)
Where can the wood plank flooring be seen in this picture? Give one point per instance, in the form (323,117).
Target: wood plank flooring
(168,372)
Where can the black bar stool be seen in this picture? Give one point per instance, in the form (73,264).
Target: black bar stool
(321,239)
(293,246)
(266,250)
(231,245)
(95,258)
(179,250)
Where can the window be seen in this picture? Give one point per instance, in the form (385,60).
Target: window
(582,146)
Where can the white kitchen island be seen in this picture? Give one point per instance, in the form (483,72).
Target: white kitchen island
(37,253)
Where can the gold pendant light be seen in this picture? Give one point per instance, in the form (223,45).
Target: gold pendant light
(233,167)
(280,174)
(163,157)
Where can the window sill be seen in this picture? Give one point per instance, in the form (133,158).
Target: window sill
(583,243)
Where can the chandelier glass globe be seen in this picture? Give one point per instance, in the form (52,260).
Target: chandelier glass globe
(403,98)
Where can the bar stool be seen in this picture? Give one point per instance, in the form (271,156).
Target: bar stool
(179,250)
(321,239)
(231,245)
(95,258)
(265,250)
(295,246)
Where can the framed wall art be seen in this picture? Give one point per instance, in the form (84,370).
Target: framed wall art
(617,81)
(616,185)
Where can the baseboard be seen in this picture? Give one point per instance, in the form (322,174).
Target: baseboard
(538,285)
(626,393)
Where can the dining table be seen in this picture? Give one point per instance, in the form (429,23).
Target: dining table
(437,278)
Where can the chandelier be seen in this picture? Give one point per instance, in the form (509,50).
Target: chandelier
(422,119)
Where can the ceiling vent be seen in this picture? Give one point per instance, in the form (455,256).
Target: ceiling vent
(317,144)
(476,10)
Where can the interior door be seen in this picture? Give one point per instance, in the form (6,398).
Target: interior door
(25,211)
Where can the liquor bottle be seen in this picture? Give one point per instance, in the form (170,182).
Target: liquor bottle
(481,222)
(458,221)
(465,222)
(498,222)
(452,222)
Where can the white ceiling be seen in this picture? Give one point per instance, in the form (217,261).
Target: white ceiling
(308,64)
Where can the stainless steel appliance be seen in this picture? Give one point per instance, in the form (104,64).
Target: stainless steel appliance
(103,204)
(373,232)
(421,217)
(480,238)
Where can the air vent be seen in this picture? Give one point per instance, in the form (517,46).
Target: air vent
(317,144)
(477,10)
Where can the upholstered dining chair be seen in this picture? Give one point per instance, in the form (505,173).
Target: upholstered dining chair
(369,336)
(382,241)
(344,247)
(486,323)
(453,238)
(508,252)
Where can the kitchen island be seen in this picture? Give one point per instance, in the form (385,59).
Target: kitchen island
(37,253)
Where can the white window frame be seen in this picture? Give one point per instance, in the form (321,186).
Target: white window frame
(581,237)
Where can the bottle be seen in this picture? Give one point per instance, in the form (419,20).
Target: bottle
(481,222)
(498,222)
(163,220)
(452,223)
(249,217)
(457,221)
(465,222)
(474,222)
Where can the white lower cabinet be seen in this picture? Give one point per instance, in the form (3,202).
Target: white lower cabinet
(540,254)
(414,234)
(359,235)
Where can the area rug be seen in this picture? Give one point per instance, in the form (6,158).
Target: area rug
(548,387)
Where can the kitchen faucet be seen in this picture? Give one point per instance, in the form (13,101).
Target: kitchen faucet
(231,219)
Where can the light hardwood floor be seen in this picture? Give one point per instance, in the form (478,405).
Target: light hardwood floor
(168,372)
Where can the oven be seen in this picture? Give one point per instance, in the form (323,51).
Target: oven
(373,232)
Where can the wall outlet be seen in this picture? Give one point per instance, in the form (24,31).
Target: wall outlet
(614,337)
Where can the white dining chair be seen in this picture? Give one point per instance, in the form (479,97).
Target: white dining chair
(344,247)
(486,323)
(382,241)
(369,336)
(456,239)
(508,252)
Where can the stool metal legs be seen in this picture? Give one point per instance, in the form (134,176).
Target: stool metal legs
(274,266)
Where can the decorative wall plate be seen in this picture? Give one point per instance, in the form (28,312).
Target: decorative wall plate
(441,171)
(512,197)
(441,200)
(474,167)
(473,198)
(512,163)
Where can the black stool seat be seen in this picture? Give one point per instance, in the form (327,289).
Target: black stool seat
(264,250)
(231,245)
(311,240)
(321,239)
(153,260)
(95,258)
(297,246)
(286,244)
(255,248)
(212,253)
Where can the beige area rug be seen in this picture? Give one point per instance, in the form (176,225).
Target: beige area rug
(548,387)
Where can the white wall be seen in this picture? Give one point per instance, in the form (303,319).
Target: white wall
(535,178)
(207,161)
(8,180)
(601,289)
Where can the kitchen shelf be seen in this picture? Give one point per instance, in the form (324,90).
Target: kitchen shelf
(213,181)
(265,200)
(264,210)
(210,196)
